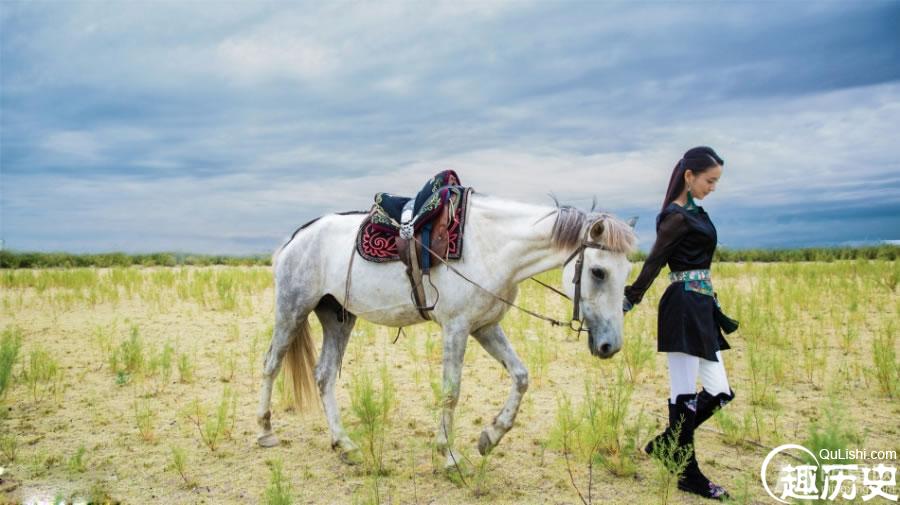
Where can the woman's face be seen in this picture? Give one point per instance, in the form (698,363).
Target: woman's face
(704,183)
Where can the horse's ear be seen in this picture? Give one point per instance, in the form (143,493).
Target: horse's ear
(597,230)
(632,221)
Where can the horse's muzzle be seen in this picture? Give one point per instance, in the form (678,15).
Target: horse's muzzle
(602,349)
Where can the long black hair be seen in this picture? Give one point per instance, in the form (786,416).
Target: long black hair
(697,160)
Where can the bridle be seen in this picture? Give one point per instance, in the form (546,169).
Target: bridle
(586,244)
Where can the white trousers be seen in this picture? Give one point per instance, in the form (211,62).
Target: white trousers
(684,369)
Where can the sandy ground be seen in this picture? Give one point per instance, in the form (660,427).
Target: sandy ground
(93,411)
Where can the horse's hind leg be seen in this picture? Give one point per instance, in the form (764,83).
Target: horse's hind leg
(336,327)
(290,325)
(497,345)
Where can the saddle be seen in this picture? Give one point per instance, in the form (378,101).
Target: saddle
(433,219)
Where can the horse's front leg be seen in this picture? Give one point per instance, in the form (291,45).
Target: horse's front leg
(454,351)
(494,341)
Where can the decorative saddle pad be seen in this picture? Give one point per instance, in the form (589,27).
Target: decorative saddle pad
(377,237)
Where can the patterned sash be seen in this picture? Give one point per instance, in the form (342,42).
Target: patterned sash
(698,281)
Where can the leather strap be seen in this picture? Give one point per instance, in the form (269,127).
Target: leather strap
(414,273)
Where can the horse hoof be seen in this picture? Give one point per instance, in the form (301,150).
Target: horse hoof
(351,457)
(269,440)
(484,444)
(457,467)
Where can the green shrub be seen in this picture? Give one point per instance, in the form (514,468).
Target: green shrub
(144,417)
(372,409)
(10,344)
(278,492)
(179,464)
(76,462)
(42,374)
(884,355)
(9,446)
(185,369)
(213,428)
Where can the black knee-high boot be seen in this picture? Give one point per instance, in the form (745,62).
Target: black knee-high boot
(707,405)
(682,418)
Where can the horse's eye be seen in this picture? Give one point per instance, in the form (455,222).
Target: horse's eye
(598,273)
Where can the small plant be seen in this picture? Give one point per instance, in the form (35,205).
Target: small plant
(179,465)
(104,341)
(227,365)
(127,359)
(735,431)
(670,461)
(832,433)
(122,378)
(481,479)
(131,352)
(372,408)
(10,343)
(637,354)
(432,349)
(42,374)
(9,446)
(212,428)
(161,364)
(278,491)
(437,389)
(99,493)
(410,343)
(596,432)
(76,462)
(226,412)
(234,332)
(144,417)
(185,369)
(763,370)
(537,357)
(884,354)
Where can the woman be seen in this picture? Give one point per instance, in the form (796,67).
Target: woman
(689,315)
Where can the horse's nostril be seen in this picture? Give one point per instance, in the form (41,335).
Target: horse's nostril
(605,348)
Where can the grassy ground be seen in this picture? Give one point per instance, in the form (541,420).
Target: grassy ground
(140,385)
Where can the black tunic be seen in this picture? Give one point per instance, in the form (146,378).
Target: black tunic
(686,240)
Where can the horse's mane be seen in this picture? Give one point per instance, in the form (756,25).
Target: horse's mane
(571,224)
(569,229)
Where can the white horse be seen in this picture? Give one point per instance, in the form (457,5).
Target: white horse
(506,242)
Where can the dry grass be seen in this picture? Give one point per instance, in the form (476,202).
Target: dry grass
(807,334)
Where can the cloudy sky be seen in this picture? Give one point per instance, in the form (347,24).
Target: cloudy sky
(218,127)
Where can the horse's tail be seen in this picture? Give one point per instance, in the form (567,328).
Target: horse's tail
(299,363)
(300,357)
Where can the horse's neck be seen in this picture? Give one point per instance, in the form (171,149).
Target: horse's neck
(524,234)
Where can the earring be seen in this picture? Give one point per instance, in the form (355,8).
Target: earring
(690,205)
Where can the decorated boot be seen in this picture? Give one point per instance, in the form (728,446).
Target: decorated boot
(683,414)
(707,405)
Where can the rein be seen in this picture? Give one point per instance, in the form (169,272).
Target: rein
(554,322)
(579,266)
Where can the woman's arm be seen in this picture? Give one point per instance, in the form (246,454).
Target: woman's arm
(672,229)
